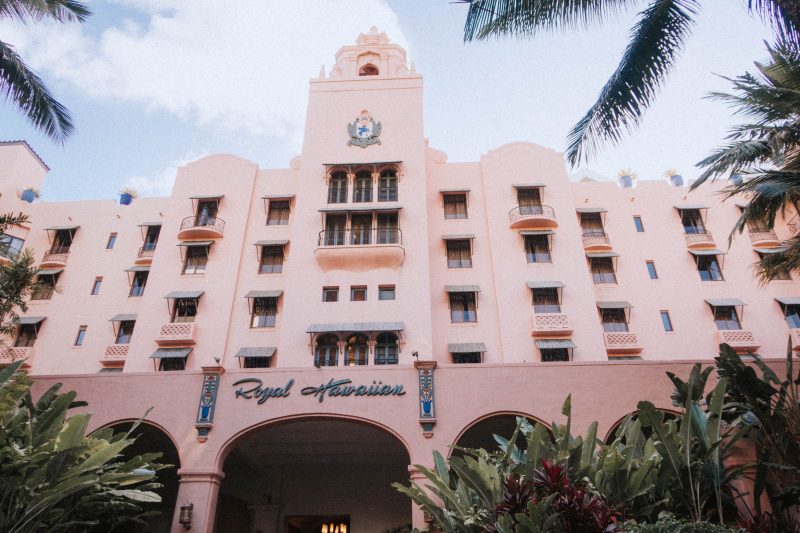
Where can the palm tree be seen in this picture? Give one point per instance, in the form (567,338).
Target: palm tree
(765,151)
(654,45)
(19,83)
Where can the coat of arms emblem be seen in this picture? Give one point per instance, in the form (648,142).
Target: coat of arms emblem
(364,131)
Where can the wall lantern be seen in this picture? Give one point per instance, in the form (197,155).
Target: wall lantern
(334,528)
(185,518)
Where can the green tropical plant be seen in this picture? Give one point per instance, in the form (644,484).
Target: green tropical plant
(18,83)
(656,41)
(667,523)
(17,279)
(56,477)
(766,151)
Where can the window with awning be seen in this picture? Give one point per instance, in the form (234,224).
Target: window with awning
(255,356)
(170,359)
(183,305)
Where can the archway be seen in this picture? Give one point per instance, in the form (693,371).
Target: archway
(296,476)
(611,435)
(480,434)
(150,439)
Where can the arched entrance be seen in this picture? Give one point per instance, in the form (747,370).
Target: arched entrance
(480,434)
(312,475)
(150,439)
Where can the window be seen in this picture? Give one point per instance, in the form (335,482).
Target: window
(356,351)
(206,213)
(184,310)
(602,270)
(125,331)
(467,357)
(26,336)
(61,241)
(337,188)
(335,230)
(368,70)
(459,253)
(793,316)
(692,221)
(112,239)
(362,187)
(651,269)
(614,320)
(666,321)
(529,201)
(138,284)
(10,246)
(462,307)
(726,317)
(151,237)
(551,355)
(708,267)
(386,292)
(537,249)
(169,364)
(387,186)
(330,294)
(278,214)
(327,351)
(79,338)
(265,311)
(196,259)
(592,224)
(45,286)
(358,293)
(455,206)
(546,300)
(360,229)
(637,222)
(386,349)
(98,282)
(257,362)
(271,260)
(388,232)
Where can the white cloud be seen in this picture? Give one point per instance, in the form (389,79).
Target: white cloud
(160,182)
(240,69)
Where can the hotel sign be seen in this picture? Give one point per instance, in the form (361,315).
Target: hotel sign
(254,389)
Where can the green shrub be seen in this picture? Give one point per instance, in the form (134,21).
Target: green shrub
(670,524)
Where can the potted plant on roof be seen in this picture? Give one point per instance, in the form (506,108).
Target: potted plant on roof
(30,194)
(674,178)
(626,178)
(127,195)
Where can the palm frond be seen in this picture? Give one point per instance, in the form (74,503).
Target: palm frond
(487,18)
(782,15)
(655,43)
(22,86)
(783,262)
(10,219)
(60,10)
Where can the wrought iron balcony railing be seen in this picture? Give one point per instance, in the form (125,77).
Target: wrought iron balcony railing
(531,211)
(360,237)
(212,223)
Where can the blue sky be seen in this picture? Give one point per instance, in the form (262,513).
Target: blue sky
(153,84)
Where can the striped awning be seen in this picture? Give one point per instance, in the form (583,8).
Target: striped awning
(454,190)
(458,236)
(789,300)
(614,305)
(356,327)
(769,250)
(287,196)
(591,210)
(184,294)
(537,232)
(171,353)
(208,197)
(263,294)
(683,207)
(49,271)
(27,320)
(545,284)
(123,317)
(195,243)
(466,347)
(148,224)
(256,351)
(593,255)
(724,302)
(462,288)
(555,343)
(366,207)
(275,242)
(708,251)
(57,228)
(528,185)
(138,268)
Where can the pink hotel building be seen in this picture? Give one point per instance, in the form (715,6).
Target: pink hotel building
(307,334)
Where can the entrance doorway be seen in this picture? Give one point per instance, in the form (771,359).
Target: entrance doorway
(314,475)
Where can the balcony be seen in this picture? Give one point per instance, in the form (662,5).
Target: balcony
(194,227)
(764,237)
(176,334)
(794,224)
(145,255)
(114,355)
(699,238)
(621,343)
(9,354)
(596,241)
(532,217)
(56,257)
(551,324)
(795,333)
(359,250)
(741,340)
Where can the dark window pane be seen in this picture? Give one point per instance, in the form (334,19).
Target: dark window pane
(271,260)
(546,301)
(112,239)
(455,206)
(386,349)
(692,221)
(330,294)
(386,292)
(708,267)
(26,336)
(637,222)
(387,186)
(265,311)
(139,283)
(79,338)
(327,350)
(651,270)
(614,320)
(554,354)
(125,331)
(172,363)
(726,317)
(459,253)
(537,249)
(196,259)
(358,294)
(98,282)
(462,307)
(185,309)
(337,189)
(278,214)
(602,270)
(467,357)
(793,316)
(257,362)
(666,321)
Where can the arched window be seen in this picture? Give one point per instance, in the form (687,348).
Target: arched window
(327,351)
(386,349)
(337,190)
(368,70)
(356,351)
(362,190)
(387,186)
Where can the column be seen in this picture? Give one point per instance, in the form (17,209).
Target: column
(200,489)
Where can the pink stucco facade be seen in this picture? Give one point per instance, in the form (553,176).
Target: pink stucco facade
(515,194)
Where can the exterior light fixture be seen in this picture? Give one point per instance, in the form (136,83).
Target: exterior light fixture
(185,518)
(334,528)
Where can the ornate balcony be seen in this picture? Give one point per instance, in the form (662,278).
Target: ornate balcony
(621,342)
(532,216)
(359,250)
(596,241)
(114,355)
(195,227)
(9,354)
(551,324)
(795,333)
(794,224)
(56,257)
(764,237)
(699,239)
(740,340)
(145,255)
(176,334)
